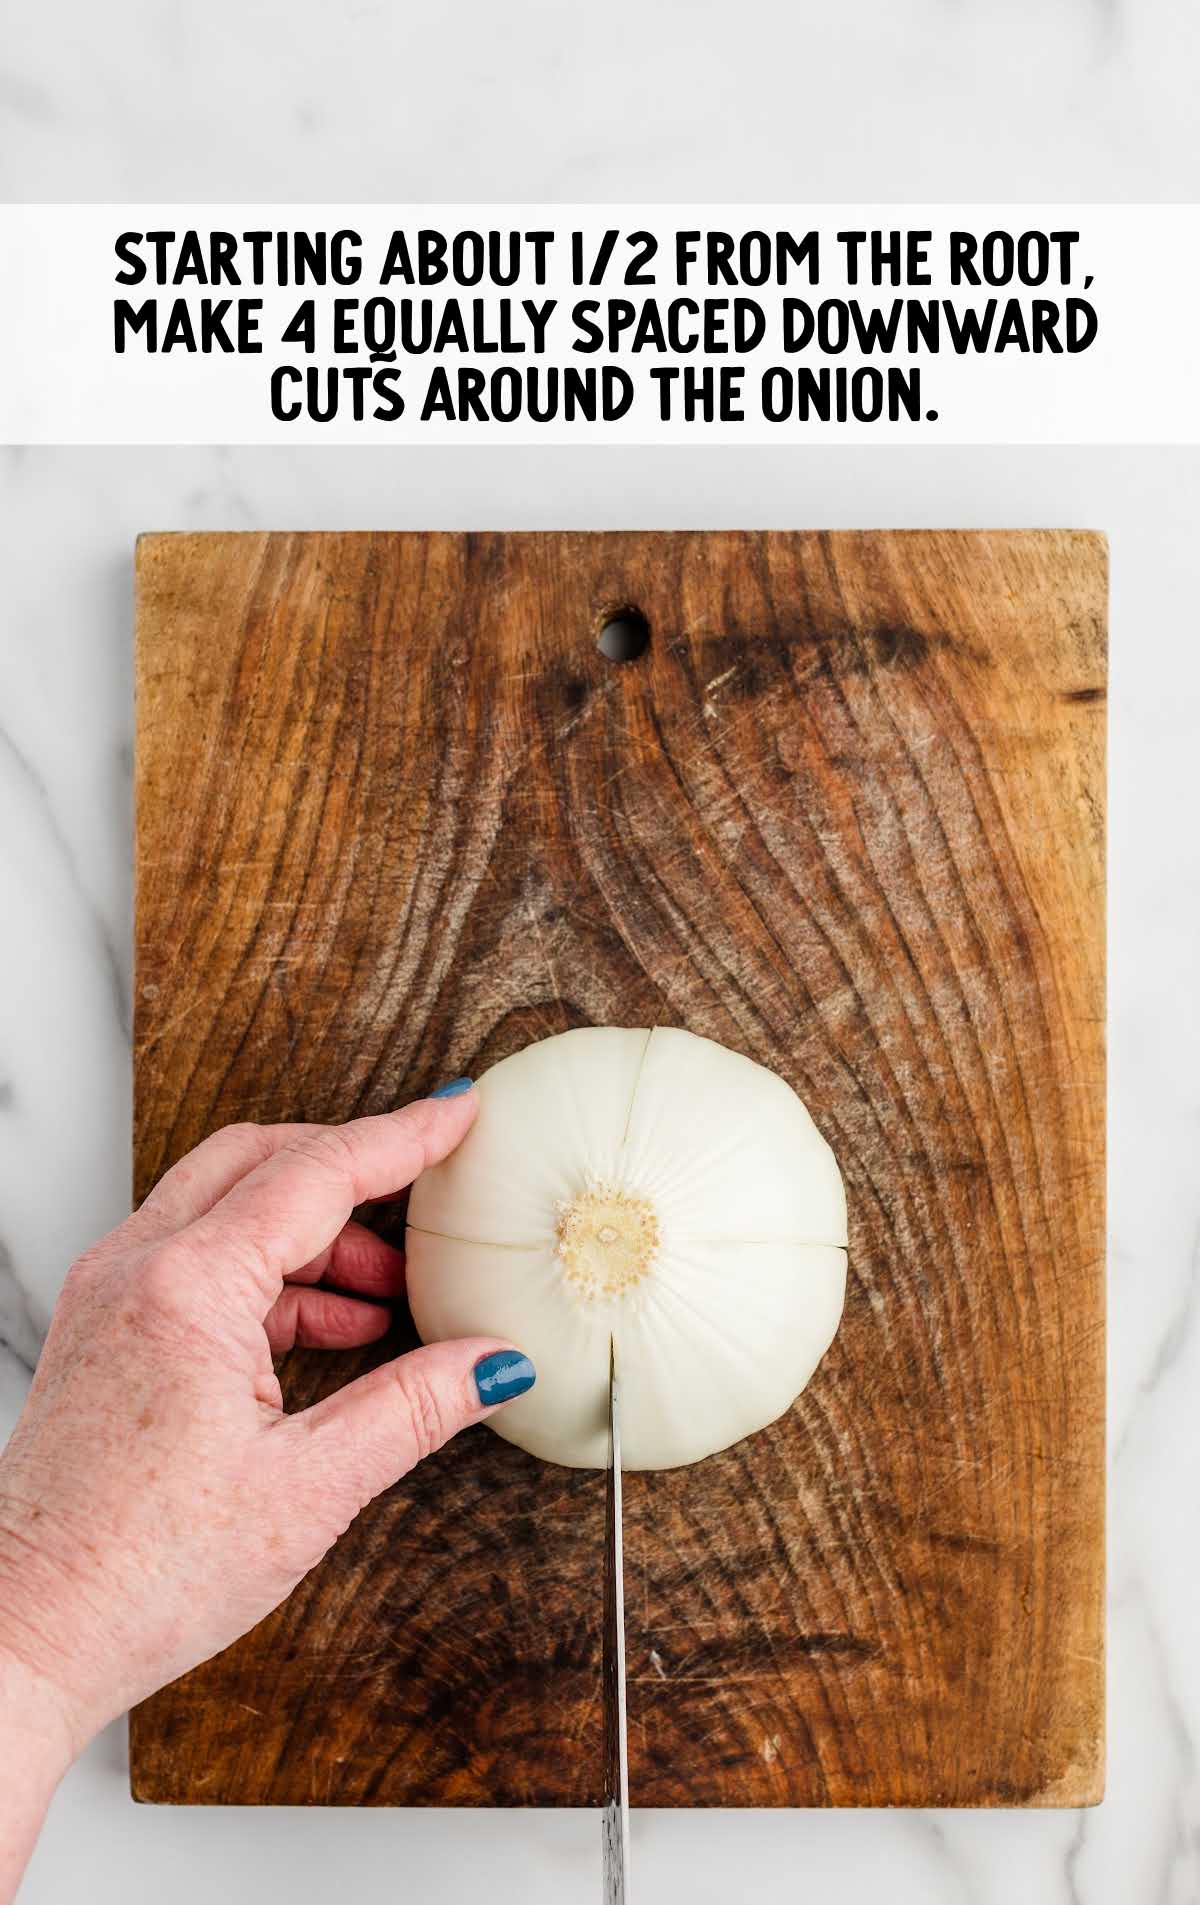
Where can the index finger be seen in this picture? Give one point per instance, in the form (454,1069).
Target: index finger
(291,1207)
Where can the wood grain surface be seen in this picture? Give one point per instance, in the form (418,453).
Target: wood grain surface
(396,817)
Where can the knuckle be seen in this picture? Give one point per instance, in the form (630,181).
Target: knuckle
(247,1142)
(161,1206)
(425,1411)
(418,1123)
(314,1321)
(162,1281)
(85,1268)
(245,1135)
(255,1257)
(158,1198)
(331,1149)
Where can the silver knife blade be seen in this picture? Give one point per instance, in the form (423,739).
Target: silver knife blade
(615,1821)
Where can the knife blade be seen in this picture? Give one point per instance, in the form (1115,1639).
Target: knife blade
(615,1819)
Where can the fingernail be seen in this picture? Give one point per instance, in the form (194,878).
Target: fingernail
(454,1089)
(502,1375)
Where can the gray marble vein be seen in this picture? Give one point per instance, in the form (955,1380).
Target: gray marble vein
(1176,1345)
(20,1337)
(115,966)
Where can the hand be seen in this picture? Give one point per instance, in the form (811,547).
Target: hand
(155,1501)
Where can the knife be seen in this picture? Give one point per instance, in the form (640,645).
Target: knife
(615,1820)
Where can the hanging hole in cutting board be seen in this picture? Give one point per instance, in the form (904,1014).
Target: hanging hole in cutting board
(625,635)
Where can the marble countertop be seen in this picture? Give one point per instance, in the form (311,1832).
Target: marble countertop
(642,100)
(68,523)
(638,100)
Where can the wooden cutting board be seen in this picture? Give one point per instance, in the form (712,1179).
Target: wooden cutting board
(396,817)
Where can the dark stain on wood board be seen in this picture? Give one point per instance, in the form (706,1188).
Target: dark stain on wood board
(396,817)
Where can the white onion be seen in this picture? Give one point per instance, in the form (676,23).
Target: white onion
(654,1188)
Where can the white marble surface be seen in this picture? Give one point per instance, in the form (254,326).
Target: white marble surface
(636,99)
(68,522)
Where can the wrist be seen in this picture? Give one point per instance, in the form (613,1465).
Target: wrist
(35,1751)
(38,1716)
(35,1728)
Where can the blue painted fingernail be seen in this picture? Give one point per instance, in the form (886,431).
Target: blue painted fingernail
(454,1089)
(503,1375)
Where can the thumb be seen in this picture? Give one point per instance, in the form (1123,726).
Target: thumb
(379,1427)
